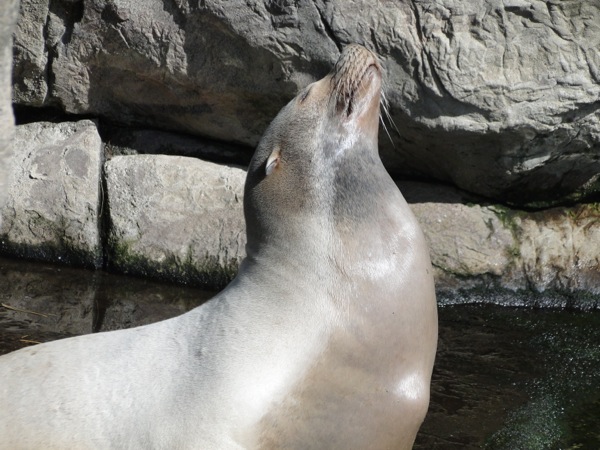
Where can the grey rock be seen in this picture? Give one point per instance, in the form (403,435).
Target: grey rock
(498,97)
(430,192)
(181,219)
(31,60)
(53,208)
(545,258)
(175,218)
(559,249)
(7,23)
(467,243)
(210,68)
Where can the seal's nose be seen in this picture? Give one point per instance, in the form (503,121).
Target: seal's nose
(353,53)
(354,66)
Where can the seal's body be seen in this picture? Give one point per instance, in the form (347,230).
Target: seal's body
(325,339)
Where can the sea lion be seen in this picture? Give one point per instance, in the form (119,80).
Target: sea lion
(325,339)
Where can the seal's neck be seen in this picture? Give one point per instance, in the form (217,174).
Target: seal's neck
(303,241)
(358,202)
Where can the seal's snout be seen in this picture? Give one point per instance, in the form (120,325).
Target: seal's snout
(356,81)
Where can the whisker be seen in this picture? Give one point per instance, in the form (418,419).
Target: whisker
(386,130)
(386,115)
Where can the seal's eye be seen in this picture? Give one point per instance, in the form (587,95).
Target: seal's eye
(305,94)
(273,161)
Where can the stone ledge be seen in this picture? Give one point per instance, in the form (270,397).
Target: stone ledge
(181,219)
(53,209)
(175,218)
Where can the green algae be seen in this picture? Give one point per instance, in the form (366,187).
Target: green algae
(189,269)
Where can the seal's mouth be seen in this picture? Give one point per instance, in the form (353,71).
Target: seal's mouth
(351,79)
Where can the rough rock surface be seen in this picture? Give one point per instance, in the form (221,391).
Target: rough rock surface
(553,253)
(559,248)
(54,198)
(498,97)
(465,241)
(31,57)
(7,22)
(175,218)
(181,219)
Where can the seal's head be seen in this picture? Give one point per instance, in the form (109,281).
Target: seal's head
(328,128)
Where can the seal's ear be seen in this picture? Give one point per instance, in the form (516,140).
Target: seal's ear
(273,161)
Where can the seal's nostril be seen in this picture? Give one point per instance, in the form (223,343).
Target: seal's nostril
(350,107)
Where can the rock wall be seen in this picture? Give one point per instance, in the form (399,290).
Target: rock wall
(498,97)
(493,102)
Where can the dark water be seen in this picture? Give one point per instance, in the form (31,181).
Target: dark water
(505,378)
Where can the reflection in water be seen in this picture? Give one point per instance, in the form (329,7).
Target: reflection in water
(43,302)
(505,378)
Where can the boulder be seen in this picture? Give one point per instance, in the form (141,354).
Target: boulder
(543,258)
(560,249)
(175,218)
(53,210)
(500,98)
(467,243)
(212,69)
